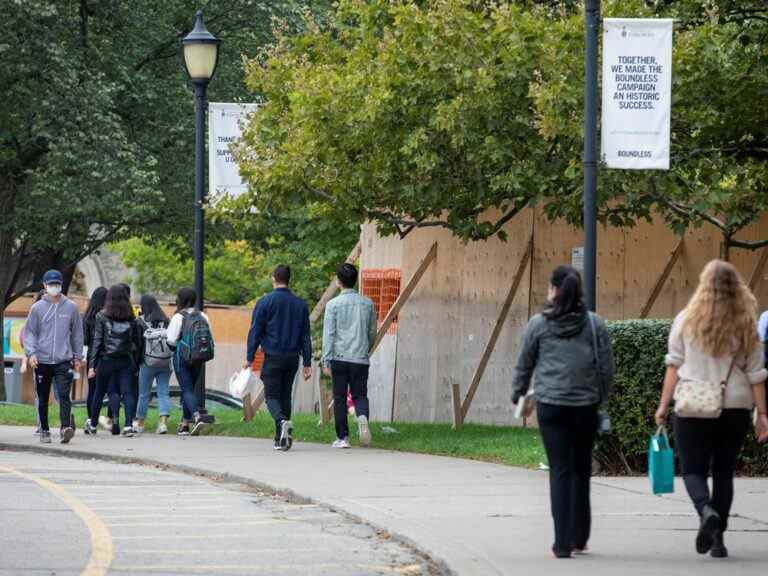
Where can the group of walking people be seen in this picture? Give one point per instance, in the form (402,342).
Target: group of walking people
(564,371)
(127,354)
(280,327)
(124,354)
(714,344)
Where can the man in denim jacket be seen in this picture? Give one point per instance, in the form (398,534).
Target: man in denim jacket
(349,330)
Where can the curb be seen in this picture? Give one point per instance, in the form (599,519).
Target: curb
(436,567)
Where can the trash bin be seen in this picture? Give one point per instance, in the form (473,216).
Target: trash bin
(13,381)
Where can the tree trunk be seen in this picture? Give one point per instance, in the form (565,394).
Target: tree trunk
(725,249)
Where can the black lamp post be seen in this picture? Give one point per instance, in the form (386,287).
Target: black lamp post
(201,55)
(592,25)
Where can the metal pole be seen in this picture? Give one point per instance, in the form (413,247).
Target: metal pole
(592,25)
(201,106)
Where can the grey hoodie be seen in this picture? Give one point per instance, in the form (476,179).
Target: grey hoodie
(54,332)
(559,352)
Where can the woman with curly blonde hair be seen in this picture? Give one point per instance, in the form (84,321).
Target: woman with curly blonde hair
(715,340)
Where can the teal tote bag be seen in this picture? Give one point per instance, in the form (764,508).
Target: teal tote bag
(661,463)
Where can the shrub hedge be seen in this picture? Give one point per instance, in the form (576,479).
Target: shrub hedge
(639,347)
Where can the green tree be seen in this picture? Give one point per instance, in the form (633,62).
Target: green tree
(431,114)
(719,144)
(237,272)
(96,122)
(232,271)
(409,114)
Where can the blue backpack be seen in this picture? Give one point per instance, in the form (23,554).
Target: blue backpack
(196,345)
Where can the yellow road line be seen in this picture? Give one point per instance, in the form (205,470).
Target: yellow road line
(265,568)
(102,552)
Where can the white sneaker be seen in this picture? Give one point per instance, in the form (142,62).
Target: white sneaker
(341,443)
(162,429)
(364,431)
(105,423)
(286,435)
(138,430)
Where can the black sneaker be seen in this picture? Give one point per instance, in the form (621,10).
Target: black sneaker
(45,437)
(128,432)
(67,434)
(286,435)
(198,427)
(90,428)
(277,445)
(115,429)
(182,430)
(718,546)
(709,526)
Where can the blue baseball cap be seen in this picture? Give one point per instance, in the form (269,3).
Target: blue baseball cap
(53,277)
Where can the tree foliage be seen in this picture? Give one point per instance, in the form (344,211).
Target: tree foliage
(719,141)
(458,113)
(237,272)
(96,122)
(409,114)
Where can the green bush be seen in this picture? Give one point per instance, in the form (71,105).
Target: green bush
(639,347)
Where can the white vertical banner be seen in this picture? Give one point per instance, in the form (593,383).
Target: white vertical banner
(637,93)
(225,122)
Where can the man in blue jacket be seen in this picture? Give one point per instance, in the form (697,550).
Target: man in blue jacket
(280,325)
(53,342)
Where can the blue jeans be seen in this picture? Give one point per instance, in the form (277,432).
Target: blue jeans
(147,375)
(187,375)
(115,376)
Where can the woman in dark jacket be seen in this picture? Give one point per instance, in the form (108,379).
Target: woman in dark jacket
(113,358)
(95,305)
(568,351)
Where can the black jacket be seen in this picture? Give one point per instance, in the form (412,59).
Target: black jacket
(558,353)
(114,339)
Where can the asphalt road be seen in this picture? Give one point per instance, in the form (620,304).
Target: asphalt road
(66,517)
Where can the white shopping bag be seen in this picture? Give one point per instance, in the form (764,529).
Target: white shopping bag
(239,381)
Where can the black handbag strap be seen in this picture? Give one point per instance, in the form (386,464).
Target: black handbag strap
(596,357)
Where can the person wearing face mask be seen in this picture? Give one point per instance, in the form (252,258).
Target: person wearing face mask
(53,342)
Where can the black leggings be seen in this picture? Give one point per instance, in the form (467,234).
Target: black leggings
(569,436)
(714,444)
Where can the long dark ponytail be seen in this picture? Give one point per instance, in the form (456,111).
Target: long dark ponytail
(570,297)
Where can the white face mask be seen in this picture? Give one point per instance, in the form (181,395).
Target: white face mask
(53,290)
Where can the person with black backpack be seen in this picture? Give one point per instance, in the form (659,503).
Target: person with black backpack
(113,359)
(155,365)
(189,336)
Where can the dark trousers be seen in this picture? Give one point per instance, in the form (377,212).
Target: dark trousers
(278,374)
(569,436)
(61,377)
(114,377)
(89,401)
(706,445)
(187,375)
(354,378)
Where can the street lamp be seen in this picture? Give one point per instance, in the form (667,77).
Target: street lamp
(592,28)
(201,54)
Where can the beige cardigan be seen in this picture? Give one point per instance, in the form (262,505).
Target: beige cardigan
(694,364)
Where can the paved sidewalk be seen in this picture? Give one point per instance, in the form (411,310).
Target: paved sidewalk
(478,518)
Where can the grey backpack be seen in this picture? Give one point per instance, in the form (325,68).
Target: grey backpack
(157,353)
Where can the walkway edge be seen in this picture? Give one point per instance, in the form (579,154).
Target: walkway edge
(437,566)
